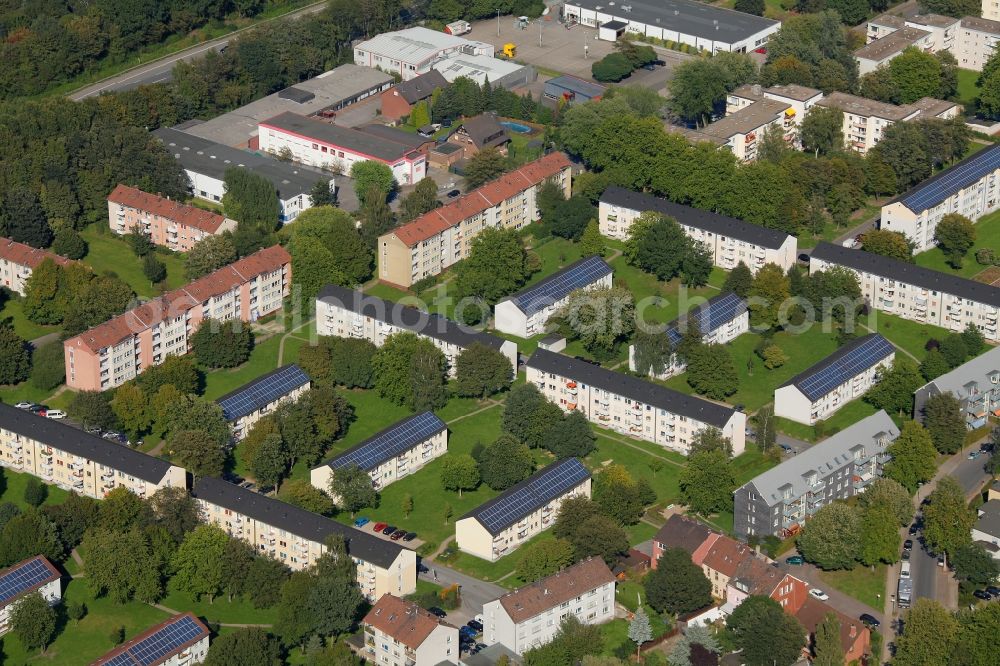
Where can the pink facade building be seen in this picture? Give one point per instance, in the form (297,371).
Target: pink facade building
(114,352)
(169,223)
(18,260)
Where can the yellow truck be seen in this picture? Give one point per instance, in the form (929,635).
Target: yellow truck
(509,51)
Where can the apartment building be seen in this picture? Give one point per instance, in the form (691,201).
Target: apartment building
(324,145)
(398,451)
(500,526)
(845,375)
(743,130)
(297,538)
(401,633)
(413,51)
(62,455)
(730,240)
(18,260)
(632,406)
(976,385)
(878,53)
(531,616)
(779,501)
(990,10)
(798,99)
(865,120)
(970,39)
(114,352)
(720,320)
(916,293)
(986,530)
(170,224)
(977,39)
(18,581)
(348,313)
(434,241)
(525,313)
(683,532)
(246,405)
(179,641)
(969,188)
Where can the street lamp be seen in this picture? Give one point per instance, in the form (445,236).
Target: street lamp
(498,21)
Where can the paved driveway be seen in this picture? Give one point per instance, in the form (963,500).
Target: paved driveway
(844,603)
(475,592)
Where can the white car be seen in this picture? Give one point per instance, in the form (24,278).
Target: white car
(55,414)
(24,405)
(817,593)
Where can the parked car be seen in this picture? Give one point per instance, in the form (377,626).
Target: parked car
(786,448)
(870,620)
(817,593)
(908,544)
(467,631)
(93,430)
(649,66)
(993,590)
(437,612)
(913,529)
(940,560)
(249,485)
(478,626)
(397,535)
(454,193)
(973,454)
(795,559)
(361,522)
(422,568)
(388,529)
(24,405)
(905,556)
(378,527)
(409,536)
(55,414)
(38,409)
(904,570)
(982,594)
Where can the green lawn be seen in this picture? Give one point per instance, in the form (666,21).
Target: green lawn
(751,463)
(221,610)
(108,253)
(849,414)
(968,90)
(12,486)
(908,335)
(13,310)
(263,359)
(11,394)
(861,583)
(987,235)
(90,639)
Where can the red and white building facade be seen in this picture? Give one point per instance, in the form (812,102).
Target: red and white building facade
(18,260)
(168,223)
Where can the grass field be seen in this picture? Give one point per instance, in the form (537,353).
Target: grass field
(849,414)
(13,310)
(12,486)
(221,609)
(968,90)
(860,582)
(109,254)
(987,235)
(908,335)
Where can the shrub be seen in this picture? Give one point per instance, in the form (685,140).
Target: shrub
(611,68)
(985,256)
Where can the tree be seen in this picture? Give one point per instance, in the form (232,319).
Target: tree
(954,350)
(592,242)
(376,216)
(505,463)
(175,511)
(35,492)
(764,633)
(131,406)
(827,648)
(890,495)
(602,318)
(92,408)
(955,235)
(197,564)
(975,343)
(482,371)
(422,199)
(68,243)
(410,370)
(599,536)
(822,130)
(572,513)
(774,357)
(755,7)
(832,539)
(916,75)
(333,238)
(22,218)
(771,287)
(894,390)
(486,165)
(302,493)
(119,565)
(974,565)
(351,361)
(197,451)
(611,68)
(523,402)
(71,518)
(766,428)
(696,88)
(934,365)
(657,244)
(948,520)
(270,462)
(48,368)
(209,254)
(372,179)
(219,344)
(322,194)
(459,472)
(887,243)
(497,266)
(619,495)
(251,199)
(154,269)
(15,359)
(913,457)
(352,490)
(879,536)
(739,280)
(639,631)
(710,371)
(944,421)
(707,482)
(544,558)
(264,580)
(930,636)
(26,535)
(76,611)
(33,621)
(677,585)
(249,646)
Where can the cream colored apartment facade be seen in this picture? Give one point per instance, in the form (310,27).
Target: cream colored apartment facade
(401,633)
(865,120)
(970,39)
(977,40)
(632,406)
(991,10)
(434,241)
(50,587)
(243,407)
(17,261)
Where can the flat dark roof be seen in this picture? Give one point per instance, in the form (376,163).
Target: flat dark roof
(298,521)
(618,383)
(76,442)
(908,273)
(577,85)
(343,137)
(695,217)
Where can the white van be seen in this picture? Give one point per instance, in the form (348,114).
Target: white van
(904,570)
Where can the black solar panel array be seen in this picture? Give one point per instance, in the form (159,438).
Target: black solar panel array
(262,391)
(846,363)
(19,579)
(719,310)
(391,442)
(558,286)
(161,644)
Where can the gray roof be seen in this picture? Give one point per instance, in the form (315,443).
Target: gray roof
(78,443)
(935,20)
(408,317)
(344,137)
(862,106)
(907,273)
(476,66)
(981,24)
(891,45)
(212,159)
(297,521)
(748,119)
(411,140)
(980,370)
(686,16)
(490,656)
(889,20)
(412,45)
(485,131)
(578,86)
(421,87)
(661,397)
(830,454)
(794,91)
(695,217)
(989,521)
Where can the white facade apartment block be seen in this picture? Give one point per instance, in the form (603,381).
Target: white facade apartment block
(799,99)
(243,407)
(401,633)
(970,39)
(991,10)
(46,582)
(729,240)
(976,42)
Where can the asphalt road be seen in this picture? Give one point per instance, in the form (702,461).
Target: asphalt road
(158,71)
(474,592)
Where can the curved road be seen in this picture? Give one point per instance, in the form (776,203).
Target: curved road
(157,71)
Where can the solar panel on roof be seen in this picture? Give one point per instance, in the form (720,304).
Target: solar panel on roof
(556,287)
(123,659)
(720,310)
(168,639)
(865,355)
(26,577)
(545,486)
(934,191)
(391,442)
(263,391)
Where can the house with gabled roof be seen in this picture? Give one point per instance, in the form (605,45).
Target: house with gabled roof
(401,633)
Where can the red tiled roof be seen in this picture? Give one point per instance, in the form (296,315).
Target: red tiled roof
(25,255)
(812,613)
(430,224)
(549,592)
(405,621)
(190,216)
(179,301)
(726,556)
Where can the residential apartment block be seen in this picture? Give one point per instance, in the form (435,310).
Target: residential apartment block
(500,526)
(297,538)
(845,375)
(970,39)
(179,641)
(720,320)
(401,633)
(18,260)
(779,501)
(18,581)
(977,38)
(414,51)
(729,240)
(742,131)
(67,457)
(348,313)
(170,224)
(114,352)
(320,144)
(865,120)
(434,241)
(916,293)
(969,188)
(976,385)
(797,99)
(246,405)
(630,405)
(398,451)
(879,52)
(525,313)
(530,616)
(990,10)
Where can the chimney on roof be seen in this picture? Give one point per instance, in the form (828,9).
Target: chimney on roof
(545,591)
(854,630)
